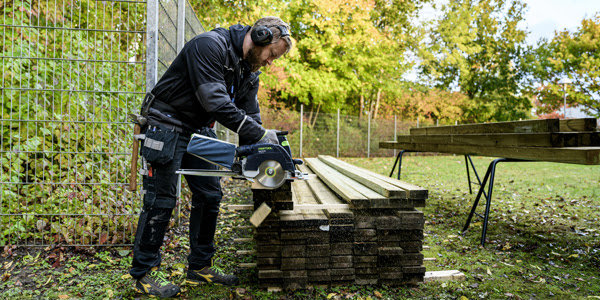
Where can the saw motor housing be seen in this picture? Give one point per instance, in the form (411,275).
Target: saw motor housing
(270,164)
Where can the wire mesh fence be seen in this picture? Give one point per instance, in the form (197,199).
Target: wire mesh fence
(71,72)
(336,134)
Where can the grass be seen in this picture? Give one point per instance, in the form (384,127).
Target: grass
(543,242)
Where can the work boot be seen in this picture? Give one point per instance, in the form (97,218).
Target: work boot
(155,283)
(212,275)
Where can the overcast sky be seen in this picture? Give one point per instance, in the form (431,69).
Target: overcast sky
(543,17)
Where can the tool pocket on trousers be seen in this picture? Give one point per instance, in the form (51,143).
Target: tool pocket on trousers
(159,145)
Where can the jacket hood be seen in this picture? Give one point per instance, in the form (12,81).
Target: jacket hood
(237,33)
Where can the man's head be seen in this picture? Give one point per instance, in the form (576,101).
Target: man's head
(280,43)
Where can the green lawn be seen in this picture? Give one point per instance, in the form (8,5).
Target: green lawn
(543,242)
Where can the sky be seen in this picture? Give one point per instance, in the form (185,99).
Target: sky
(543,17)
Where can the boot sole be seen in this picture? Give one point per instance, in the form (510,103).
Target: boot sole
(139,291)
(199,282)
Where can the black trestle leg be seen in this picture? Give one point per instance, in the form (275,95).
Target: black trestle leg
(468,174)
(398,161)
(489,174)
(479,193)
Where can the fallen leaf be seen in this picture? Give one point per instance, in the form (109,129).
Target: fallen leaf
(179,266)
(5,276)
(377,294)
(126,276)
(463,298)
(331,295)
(49,278)
(124,252)
(489,272)
(103,238)
(240,291)
(63,296)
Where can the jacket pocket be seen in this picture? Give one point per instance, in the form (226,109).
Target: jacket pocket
(159,145)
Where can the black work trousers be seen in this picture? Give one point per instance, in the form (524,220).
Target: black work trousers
(160,186)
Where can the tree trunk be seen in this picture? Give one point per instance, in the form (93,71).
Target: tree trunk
(377,104)
(362,104)
(316,115)
(371,109)
(310,115)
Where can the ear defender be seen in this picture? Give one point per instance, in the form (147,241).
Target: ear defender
(261,35)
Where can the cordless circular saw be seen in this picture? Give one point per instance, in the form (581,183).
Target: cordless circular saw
(267,166)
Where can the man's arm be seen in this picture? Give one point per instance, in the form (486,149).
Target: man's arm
(250,104)
(205,62)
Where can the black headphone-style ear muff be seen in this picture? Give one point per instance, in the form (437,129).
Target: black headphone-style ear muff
(261,35)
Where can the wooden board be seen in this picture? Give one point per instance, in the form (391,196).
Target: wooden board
(329,177)
(414,192)
(557,139)
(325,196)
(527,126)
(444,276)
(364,177)
(583,124)
(306,197)
(573,155)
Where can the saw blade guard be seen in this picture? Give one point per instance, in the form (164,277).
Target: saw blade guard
(212,150)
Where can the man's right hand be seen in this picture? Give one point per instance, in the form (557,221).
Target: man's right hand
(270,137)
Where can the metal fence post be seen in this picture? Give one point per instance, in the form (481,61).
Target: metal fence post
(152,44)
(395,131)
(337,145)
(418,119)
(301,121)
(369,135)
(181,25)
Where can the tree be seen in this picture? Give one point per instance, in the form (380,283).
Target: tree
(476,48)
(575,56)
(343,51)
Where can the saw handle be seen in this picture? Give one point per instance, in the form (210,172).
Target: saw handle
(244,150)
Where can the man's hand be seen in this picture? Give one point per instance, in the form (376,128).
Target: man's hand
(270,137)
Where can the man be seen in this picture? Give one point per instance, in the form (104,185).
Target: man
(214,78)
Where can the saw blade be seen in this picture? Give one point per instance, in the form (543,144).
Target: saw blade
(270,174)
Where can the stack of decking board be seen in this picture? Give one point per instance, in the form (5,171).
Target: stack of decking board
(376,239)
(568,141)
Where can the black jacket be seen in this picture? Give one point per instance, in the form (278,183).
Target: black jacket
(208,81)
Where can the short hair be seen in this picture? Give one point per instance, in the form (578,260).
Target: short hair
(272,23)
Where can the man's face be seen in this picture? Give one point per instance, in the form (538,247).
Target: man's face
(261,56)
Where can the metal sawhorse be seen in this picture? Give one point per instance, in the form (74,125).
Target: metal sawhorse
(489,175)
